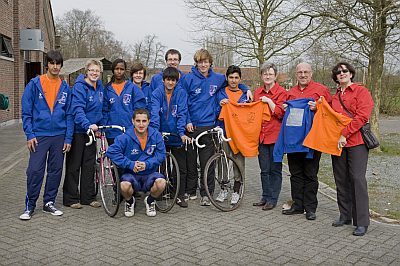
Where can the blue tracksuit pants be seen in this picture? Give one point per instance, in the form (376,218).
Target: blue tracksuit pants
(50,151)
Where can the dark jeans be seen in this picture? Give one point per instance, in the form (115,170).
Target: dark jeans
(351,185)
(204,154)
(79,167)
(304,180)
(271,174)
(49,151)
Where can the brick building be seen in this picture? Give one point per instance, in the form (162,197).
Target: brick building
(22,59)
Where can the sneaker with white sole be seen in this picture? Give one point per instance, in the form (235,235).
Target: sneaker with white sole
(130,208)
(205,201)
(193,197)
(235,198)
(50,208)
(150,208)
(26,215)
(223,194)
(180,201)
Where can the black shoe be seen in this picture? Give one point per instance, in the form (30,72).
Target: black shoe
(360,230)
(292,211)
(259,204)
(181,202)
(311,216)
(339,222)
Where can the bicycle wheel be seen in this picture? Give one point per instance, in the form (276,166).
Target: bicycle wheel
(169,168)
(109,186)
(227,182)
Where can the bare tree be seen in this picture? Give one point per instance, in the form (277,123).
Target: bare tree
(257,30)
(363,30)
(149,51)
(83,35)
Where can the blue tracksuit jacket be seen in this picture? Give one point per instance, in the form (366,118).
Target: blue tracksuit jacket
(147,94)
(118,110)
(170,118)
(296,124)
(37,118)
(87,104)
(126,150)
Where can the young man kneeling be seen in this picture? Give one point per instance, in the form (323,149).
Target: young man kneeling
(139,152)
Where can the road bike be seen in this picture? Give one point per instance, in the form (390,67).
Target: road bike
(106,172)
(229,187)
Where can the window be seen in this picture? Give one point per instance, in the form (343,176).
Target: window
(6,46)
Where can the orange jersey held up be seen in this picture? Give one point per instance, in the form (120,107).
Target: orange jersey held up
(326,129)
(242,123)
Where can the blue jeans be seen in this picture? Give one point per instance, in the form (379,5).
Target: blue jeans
(271,174)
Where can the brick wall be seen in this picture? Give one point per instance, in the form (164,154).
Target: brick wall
(14,16)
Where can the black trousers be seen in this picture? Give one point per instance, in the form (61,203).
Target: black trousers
(304,180)
(79,172)
(204,154)
(351,185)
(180,156)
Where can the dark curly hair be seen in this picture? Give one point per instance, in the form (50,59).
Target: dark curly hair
(339,65)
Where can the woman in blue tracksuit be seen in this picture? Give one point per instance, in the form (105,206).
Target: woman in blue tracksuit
(86,106)
(168,114)
(138,75)
(121,99)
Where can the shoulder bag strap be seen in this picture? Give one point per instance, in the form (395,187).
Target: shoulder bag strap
(344,107)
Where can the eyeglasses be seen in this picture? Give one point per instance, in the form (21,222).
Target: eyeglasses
(172,60)
(340,71)
(94,70)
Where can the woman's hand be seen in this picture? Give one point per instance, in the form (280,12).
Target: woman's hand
(342,142)
(223,101)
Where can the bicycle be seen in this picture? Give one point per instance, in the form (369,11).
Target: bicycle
(170,169)
(106,177)
(228,175)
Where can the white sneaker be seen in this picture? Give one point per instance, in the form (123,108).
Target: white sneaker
(150,209)
(223,194)
(205,201)
(130,208)
(50,208)
(193,197)
(26,215)
(235,198)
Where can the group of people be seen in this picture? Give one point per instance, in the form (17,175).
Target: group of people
(56,119)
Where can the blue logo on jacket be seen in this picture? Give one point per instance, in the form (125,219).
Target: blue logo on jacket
(174,110)
(134,151)
(127,99)
(63,98)
(150,150)
(213,89)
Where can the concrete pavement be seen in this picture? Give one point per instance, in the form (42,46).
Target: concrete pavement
(193,236)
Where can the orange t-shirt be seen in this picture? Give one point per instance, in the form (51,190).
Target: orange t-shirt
(168,97)
(142,140)
(233,95)
(118,87)
(50,88)
(326,129)
(243,123)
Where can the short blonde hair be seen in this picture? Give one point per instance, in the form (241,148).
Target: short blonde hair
(201,55)
(93,62)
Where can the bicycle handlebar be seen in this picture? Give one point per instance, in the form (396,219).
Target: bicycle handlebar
(92,136)
(217,130)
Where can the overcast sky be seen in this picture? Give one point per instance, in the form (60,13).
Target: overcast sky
(131,20)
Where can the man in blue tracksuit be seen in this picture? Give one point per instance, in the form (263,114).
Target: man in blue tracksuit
(48,127)
(172,59)
(201,86)
(169,114)
(139,152)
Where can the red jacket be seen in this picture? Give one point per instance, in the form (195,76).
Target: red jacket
(358,101)
(270,129)
(312,90)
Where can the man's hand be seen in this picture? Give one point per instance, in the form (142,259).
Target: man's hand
(342,142)
(265,99)
(249,96)
(223,101)
(32,143)
(185,139)
(189,127)
(284,106)
(139,166)
(66,148)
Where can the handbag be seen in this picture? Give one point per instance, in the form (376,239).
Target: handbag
(370,140)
